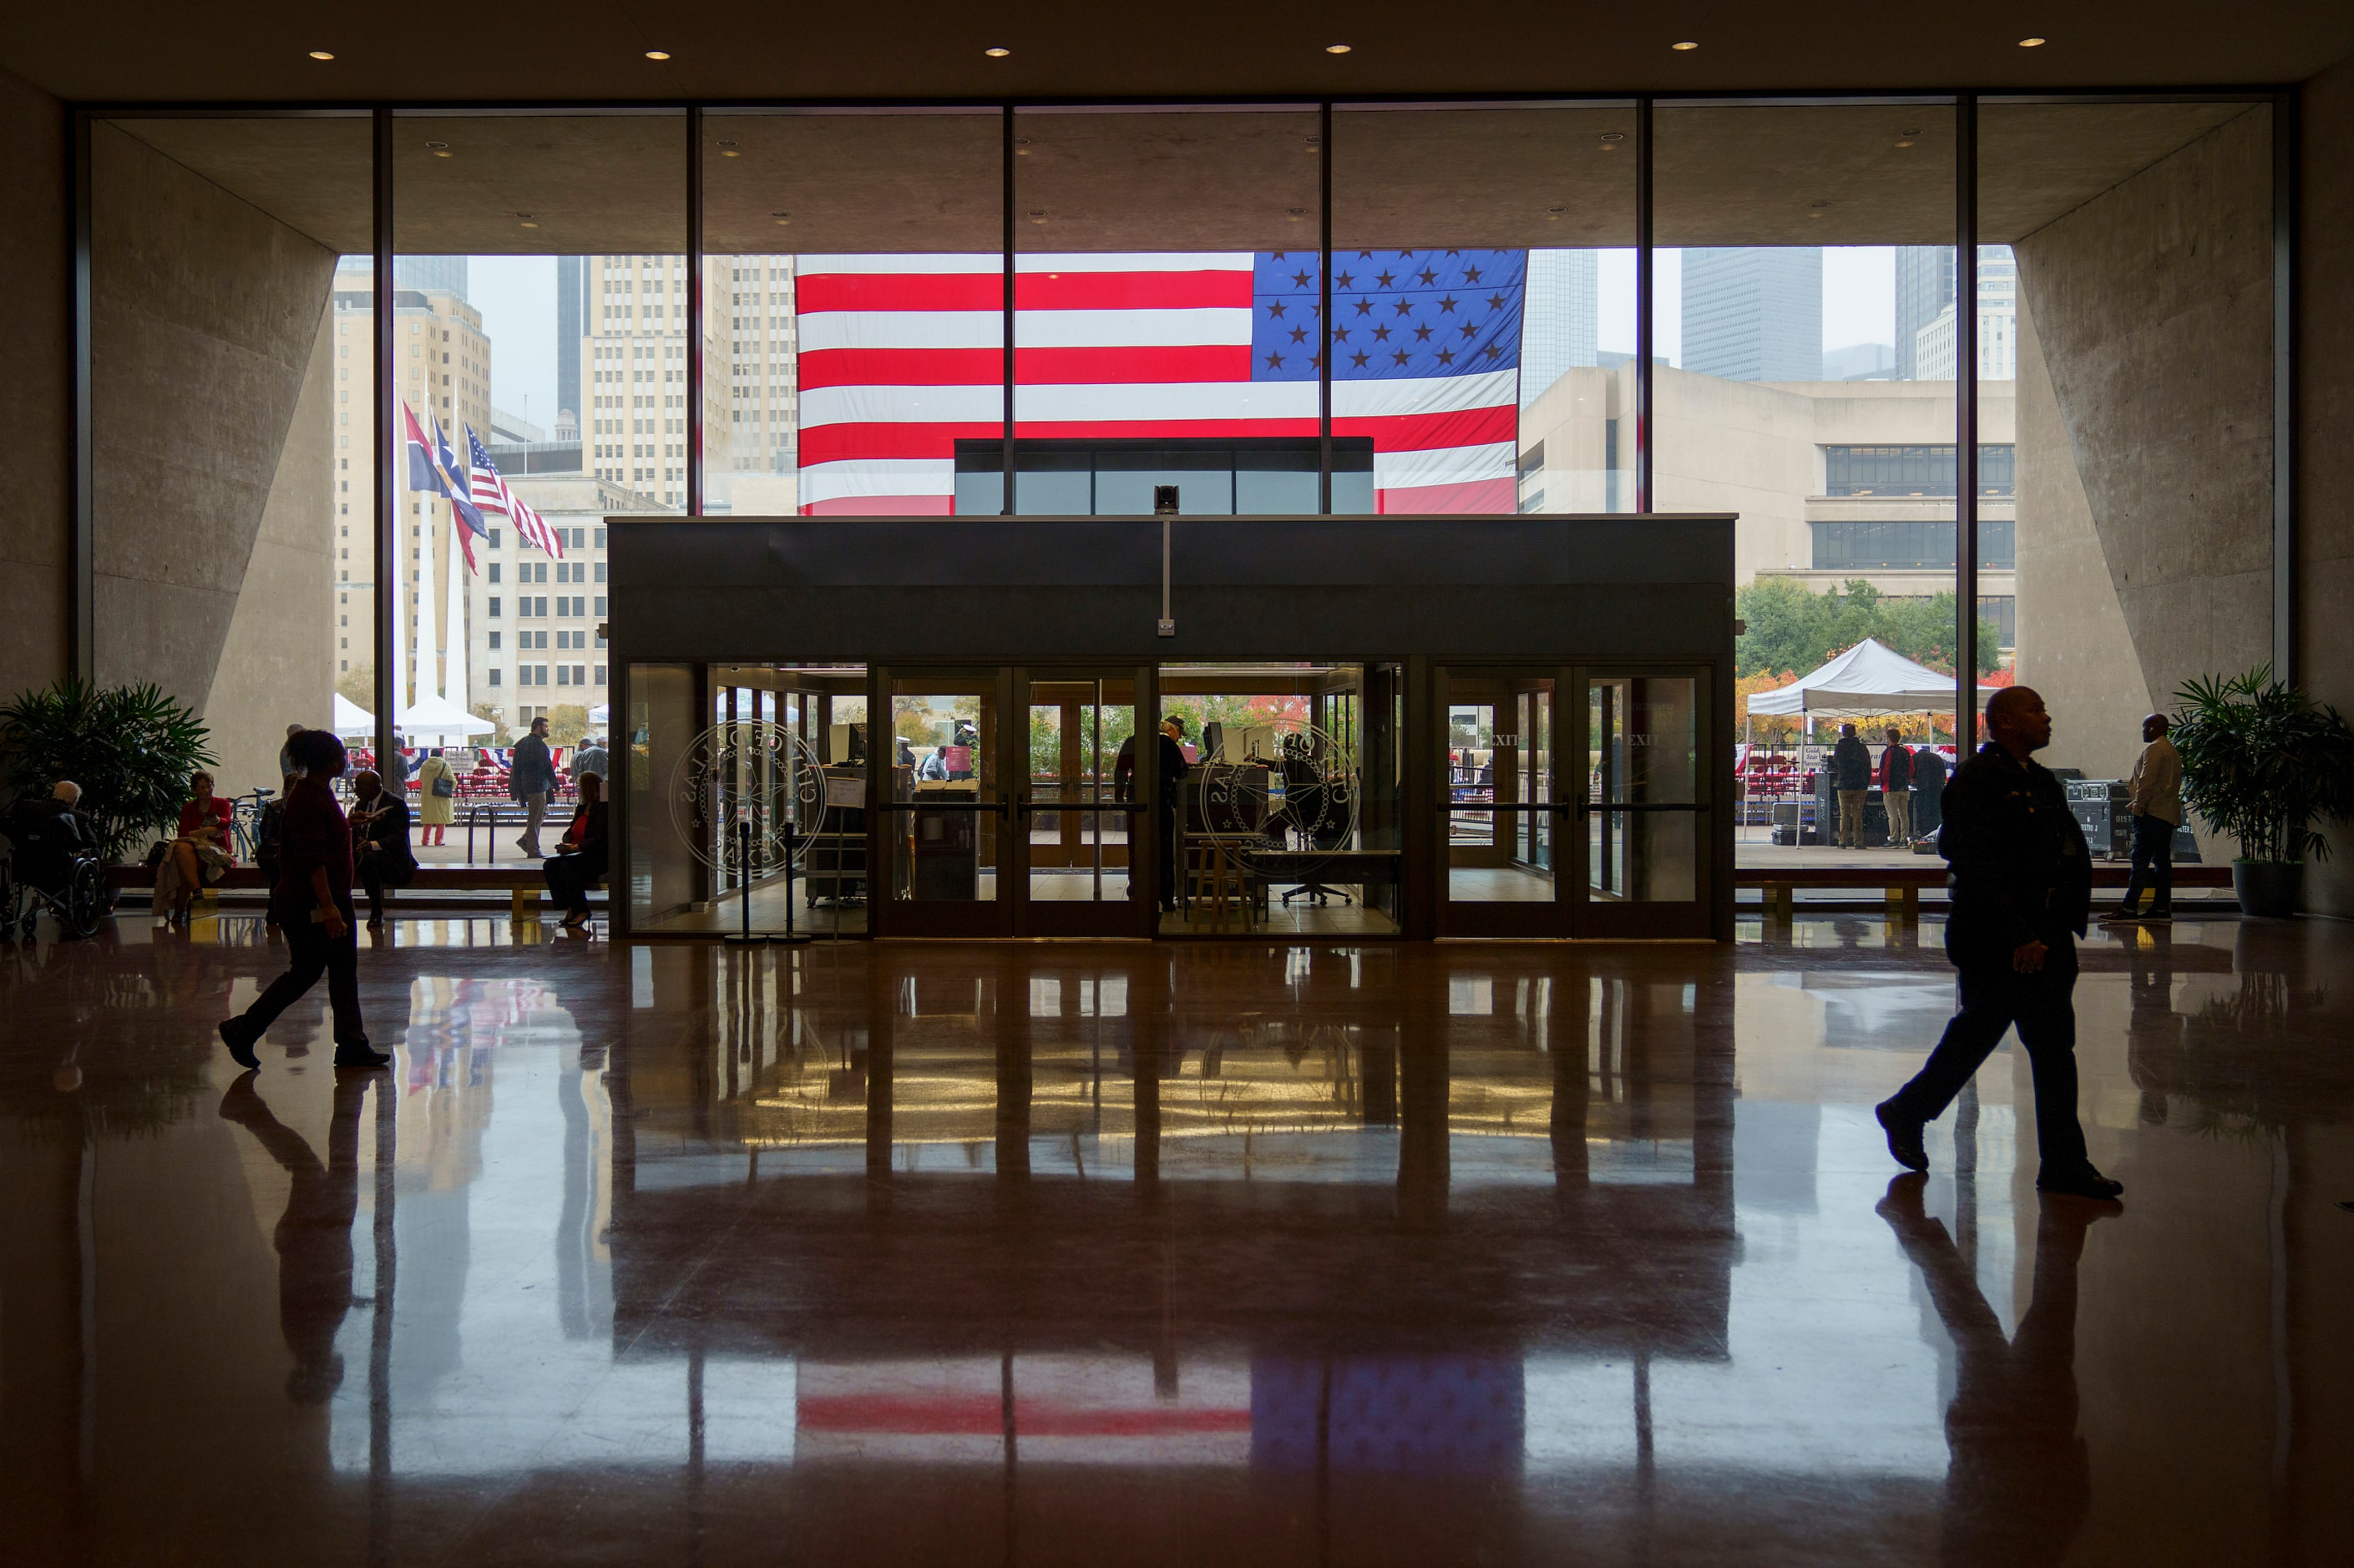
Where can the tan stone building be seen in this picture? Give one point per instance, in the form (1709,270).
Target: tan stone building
(1833,480)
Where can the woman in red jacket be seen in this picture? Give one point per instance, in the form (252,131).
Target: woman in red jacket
(202,852)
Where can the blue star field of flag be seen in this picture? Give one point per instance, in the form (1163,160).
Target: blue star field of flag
(1396,313)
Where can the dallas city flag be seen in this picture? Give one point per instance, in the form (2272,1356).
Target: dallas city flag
(902,356)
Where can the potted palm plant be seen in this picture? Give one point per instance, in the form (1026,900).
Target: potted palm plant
(2263,762)
(131,748)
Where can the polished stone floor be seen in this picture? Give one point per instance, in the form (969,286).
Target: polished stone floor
(1133,1254)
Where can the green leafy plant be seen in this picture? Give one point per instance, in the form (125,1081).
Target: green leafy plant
(2263,762)
(131,748)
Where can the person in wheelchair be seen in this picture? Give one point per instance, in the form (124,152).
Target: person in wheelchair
(53,863)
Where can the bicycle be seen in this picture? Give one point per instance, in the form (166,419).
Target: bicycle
(245,822)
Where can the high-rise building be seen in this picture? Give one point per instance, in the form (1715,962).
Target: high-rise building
(1558,329)
(427,274)
(1933,343)
(571,304)
(1754,313)
(751,455)
(442,359)
(1925,286)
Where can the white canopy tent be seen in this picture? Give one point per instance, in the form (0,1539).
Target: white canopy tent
(1869,681)
(437,719)
(601,713)
(351,718)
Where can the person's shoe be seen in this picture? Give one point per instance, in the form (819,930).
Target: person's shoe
(360,1054)
(2083,1181)
(1904,1137)
(239,1044)
(375,922)
(2165,916)
(2121,915)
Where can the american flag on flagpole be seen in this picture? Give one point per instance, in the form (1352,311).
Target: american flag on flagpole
(491,494)
(902,356)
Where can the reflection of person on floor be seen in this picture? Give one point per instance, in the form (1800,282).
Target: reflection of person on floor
(2154,1029)
(2018,1480)
(314,1235)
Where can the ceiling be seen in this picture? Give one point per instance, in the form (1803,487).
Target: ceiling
(501,51)
(813,183)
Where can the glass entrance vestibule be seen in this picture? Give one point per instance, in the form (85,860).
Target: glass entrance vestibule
(1495,750)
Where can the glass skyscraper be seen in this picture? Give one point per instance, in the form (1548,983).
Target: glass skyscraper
(1755,314)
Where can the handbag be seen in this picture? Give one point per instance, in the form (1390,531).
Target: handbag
(444,785)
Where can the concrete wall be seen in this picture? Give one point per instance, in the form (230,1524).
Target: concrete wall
(2324,454)
(2147,311)
(214,505)
(36,428)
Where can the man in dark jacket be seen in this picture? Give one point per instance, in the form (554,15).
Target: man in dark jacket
(1852,776)
(531,779)
(2022,892)
(1168,756)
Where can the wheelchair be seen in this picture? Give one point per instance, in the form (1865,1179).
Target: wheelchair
(46,862)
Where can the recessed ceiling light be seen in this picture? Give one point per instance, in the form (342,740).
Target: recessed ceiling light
(1614,135)
(782,218)
(1687,44)
(322,54)
(1294,214)
(997,52)
(2030,43)
(657,54)
(1336,48)
(529,224)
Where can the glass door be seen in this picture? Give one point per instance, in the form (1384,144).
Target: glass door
(945,817)
(1077,805)
(1644,807)
(1498,803)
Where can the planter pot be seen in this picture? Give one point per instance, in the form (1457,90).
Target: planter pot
(2270,888)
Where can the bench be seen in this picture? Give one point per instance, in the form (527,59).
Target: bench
(522,882)
(1901,884)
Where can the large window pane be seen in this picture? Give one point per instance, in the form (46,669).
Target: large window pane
(1803,321)
(1167,299)
(854,289)
(1484,305)
(540,337)
(2136,318)
(234,519)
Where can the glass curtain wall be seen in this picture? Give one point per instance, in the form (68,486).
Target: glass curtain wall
(1803,326)
(1167,294)
(1483,290)
(540,368)
(853,312)
(2128,321)
(232,510)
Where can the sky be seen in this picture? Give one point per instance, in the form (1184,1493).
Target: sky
(516,295)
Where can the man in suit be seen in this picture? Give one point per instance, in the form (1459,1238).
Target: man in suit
(381,834)
(2022,892)
(1169,754)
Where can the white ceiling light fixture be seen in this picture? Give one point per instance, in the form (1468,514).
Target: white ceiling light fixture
(322,54)
(1686,47)
(997,52)
(1338,49)
(2031,43)
(657,54)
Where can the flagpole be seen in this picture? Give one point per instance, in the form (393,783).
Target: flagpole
(454,685)
(428,635)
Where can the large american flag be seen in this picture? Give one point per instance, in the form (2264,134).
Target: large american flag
(491,494)
(902,356)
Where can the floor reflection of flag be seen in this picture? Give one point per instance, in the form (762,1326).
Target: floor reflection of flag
(1101,1409)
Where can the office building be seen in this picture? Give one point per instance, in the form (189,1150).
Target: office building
(1754,313)
(1319,1029)
(1559,328)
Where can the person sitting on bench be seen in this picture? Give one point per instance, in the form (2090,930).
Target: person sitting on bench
(579,864)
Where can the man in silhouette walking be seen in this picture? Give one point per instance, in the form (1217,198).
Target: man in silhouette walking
(2022,894)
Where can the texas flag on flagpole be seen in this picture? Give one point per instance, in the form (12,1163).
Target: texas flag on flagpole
(491,494)
(433,471)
